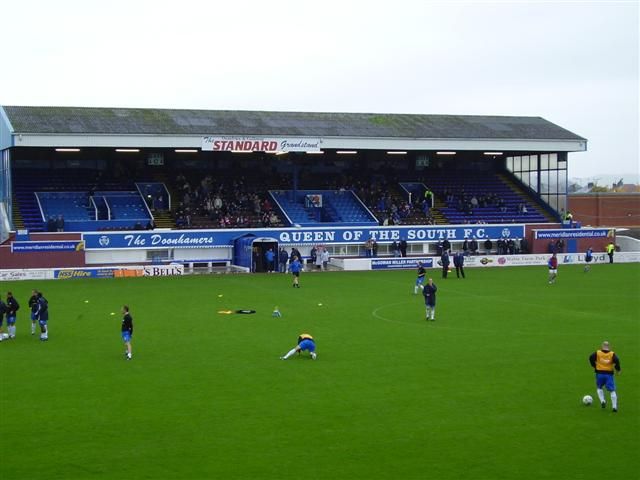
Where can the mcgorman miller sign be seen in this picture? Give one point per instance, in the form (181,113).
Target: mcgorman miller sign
(297,236)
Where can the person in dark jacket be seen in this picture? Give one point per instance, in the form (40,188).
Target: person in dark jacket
(403,247)
(12,313)
(458,262)
(3,310)
(43,317)
(283,256)
(445,261)
(33,306)
(473,246)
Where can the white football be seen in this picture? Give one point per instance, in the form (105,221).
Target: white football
(587,400)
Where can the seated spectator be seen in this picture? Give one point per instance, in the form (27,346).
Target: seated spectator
(488,245)
(60,224)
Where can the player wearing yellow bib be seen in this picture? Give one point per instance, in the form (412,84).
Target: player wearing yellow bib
(605,362)
(305,342)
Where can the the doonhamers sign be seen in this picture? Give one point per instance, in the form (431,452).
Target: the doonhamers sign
(297,236)
(260,144)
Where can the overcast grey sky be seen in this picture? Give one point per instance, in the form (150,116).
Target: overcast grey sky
(573,63)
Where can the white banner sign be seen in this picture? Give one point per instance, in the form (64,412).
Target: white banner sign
(163,270)
(26,274)
(260,144)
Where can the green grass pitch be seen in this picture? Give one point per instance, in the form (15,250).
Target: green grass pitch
(491,390)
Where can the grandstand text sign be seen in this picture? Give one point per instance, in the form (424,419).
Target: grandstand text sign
(297,236)
(260,144)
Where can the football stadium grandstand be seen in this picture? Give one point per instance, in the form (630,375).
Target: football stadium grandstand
(105,169)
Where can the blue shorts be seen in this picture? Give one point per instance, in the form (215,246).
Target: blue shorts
(419,280)
(43,322)
(605,380)
(11,320)
(34,317)
(126,337)
(307,345)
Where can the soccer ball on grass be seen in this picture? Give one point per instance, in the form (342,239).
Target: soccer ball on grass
(587,400)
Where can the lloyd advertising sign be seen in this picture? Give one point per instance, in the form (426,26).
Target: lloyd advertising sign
(260,144)
(297,236)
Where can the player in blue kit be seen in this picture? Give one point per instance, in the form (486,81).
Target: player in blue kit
(420,278)
(295,267)
(42,314)
(33,306)
(606,363)
(3,310)
(429,293)
(127,330)
(588,258)
(305,342)
(12,313)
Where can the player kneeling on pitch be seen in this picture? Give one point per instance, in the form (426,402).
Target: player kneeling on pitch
(305,342)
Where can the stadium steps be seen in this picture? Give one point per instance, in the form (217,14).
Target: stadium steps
(17,221)
(163,220)
(29,210)
(436,212)
(525,195)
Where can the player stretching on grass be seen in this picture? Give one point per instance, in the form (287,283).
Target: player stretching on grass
(305,342)
(127,331)
(420,278)
(553,268)
(604,361)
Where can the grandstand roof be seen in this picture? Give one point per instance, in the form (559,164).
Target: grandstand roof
(140,121)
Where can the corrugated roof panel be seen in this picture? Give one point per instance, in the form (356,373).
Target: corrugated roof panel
(77,120)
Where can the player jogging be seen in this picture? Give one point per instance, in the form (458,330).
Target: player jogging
(420,278)
(295,267)
(604,361)
(33,306)
(127,331)
(429,293)
(305,342)
(588,257)
(553,268)
(42,314)
(12,308)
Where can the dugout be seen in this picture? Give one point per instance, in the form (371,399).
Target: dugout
(250,251)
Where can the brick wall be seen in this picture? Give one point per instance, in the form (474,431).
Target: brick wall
(606,209)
